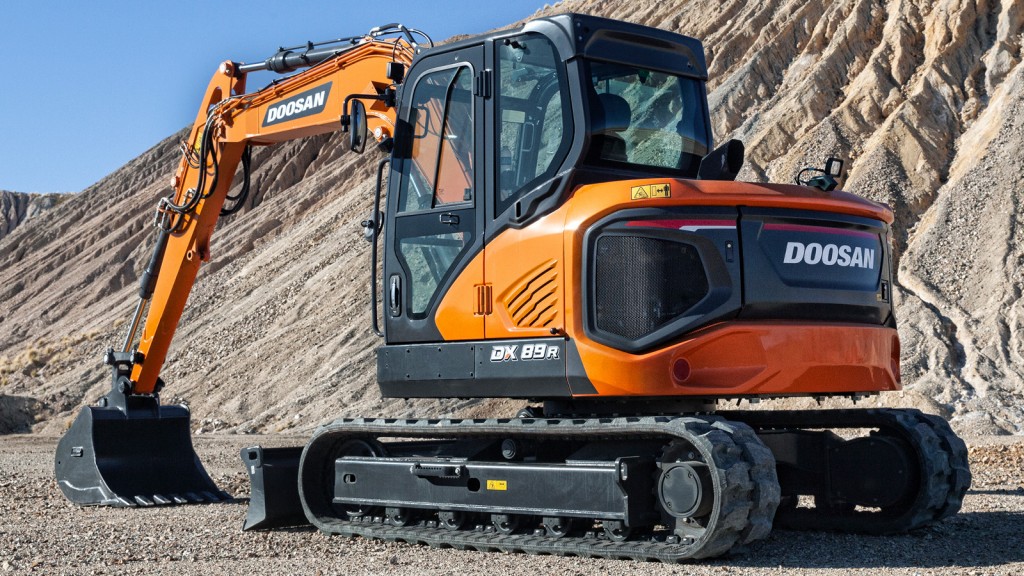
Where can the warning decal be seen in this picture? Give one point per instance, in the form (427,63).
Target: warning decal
(497,485)
(650,191)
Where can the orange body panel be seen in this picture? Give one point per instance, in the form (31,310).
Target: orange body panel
(458,316)
(523,270)
(527,271)
(733,358)
(752,358)
(539,267)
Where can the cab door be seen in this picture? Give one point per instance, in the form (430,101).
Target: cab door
(435,200)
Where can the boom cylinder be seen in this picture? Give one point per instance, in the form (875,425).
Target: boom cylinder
(288,61)
(146,284)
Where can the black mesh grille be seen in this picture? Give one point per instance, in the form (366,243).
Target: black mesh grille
(644,283)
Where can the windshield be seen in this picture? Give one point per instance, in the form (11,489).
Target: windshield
(647,118)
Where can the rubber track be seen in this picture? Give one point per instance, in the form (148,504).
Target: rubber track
(944,474)
(745,473)
(959,480)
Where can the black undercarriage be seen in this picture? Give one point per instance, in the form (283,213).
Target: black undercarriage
(653,487)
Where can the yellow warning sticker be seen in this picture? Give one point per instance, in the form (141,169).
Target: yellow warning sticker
(497,485)
(650,191)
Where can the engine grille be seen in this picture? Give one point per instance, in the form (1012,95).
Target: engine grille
(642,283)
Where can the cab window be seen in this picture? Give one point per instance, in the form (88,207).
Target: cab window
(439,171)
(534,115)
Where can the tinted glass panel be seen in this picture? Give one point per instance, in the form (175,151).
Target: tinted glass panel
(535,119)
(440,169)
(427,260)
(645,117)
(455,165)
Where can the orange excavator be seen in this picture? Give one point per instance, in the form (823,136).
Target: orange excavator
(558,228)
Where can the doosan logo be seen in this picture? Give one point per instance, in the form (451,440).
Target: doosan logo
(309,102)
(829,255)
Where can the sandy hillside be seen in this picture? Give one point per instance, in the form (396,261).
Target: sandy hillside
(923,98)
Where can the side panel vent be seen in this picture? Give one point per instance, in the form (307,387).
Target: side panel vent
(533,302)
(483,305)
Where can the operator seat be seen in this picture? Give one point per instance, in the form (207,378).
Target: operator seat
(611,115)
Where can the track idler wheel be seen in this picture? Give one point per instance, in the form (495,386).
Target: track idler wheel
(685,489)
(354,447)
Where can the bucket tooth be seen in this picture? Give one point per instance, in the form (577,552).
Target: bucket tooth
(131,455)
(274,481)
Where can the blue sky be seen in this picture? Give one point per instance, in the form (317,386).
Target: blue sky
(88,85)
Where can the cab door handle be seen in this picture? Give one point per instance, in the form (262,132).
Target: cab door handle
(395,295)
(449,219)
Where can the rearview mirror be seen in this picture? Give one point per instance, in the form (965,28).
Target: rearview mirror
(357,129)
(834,167)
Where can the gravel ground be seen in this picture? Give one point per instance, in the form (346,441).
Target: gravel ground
(41,533)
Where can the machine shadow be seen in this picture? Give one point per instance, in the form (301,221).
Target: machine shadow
(940,546)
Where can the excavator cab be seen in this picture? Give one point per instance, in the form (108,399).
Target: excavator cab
(495,133)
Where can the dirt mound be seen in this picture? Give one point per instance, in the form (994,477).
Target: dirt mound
(924,99)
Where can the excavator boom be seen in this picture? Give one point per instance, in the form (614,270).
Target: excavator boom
(129,449)
(229,121)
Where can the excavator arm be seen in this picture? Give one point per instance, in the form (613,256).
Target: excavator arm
(229,121)
(131,450)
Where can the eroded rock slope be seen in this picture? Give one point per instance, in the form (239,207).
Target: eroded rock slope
(924,99)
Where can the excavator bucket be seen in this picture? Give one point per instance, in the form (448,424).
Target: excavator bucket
(137,456)
(274,481)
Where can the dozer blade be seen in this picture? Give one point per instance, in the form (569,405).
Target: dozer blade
(274,480)
(139,456)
